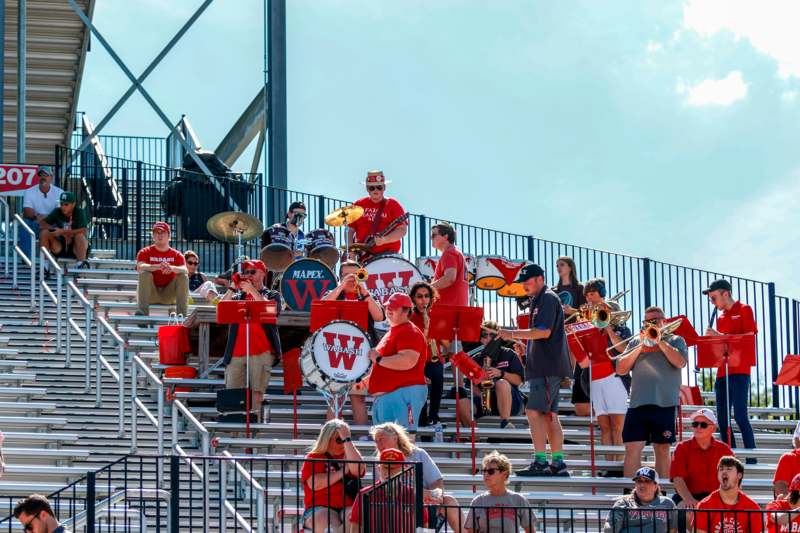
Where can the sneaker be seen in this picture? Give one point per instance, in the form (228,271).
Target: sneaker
(82,264)
(536,469)
(559,469)
(505,424)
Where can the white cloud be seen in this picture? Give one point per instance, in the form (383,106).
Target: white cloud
(789,97)
(721,92)
(769,25)
(654,46)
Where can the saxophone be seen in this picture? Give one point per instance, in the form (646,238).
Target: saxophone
(486,387)
(432,344)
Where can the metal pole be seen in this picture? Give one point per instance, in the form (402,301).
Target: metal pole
(98,401)
(59,311)
(773,343)
(87,367)
(14,258)
(276,64)
(68,358)
(175,494)
(21,78)
(41,289)
(134,410)
(2,99)
(121,375)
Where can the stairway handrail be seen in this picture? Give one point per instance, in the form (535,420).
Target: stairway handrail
(29,261)
(45,258)
(101,362)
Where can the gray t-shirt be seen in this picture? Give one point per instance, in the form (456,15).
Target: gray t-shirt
(654,381)
(430,472)
(487,513)
(629,515)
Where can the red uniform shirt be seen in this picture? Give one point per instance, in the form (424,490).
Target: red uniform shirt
(259,343)
(364,225)
(788,467)
(403,337)
(782,506)
(735,321)
(330,496)
(726,519)
(458,292)
(698,467)
(153,256)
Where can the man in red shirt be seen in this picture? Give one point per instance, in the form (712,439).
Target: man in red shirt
(163,277)
(788,467)
(379,212)
(265,345)
(450,277)
(736,318)
(397,380)
(784,513)
(717,513)
(693,470)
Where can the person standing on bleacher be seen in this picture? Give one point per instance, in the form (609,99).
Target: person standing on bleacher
(163,277)
(547,362)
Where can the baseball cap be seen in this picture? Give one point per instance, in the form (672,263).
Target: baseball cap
(398,299)
(297,205)
(705,412)
(255,264)
(376,177)
(44,170)
(67,197)
(529,271)
(161,226)
(392,455)
(795,484)
(723,284)
(647,473)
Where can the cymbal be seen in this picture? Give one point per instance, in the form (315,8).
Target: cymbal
(227,226)
(355,247)
(344,215)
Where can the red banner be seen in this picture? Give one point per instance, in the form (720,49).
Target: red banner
(14,179)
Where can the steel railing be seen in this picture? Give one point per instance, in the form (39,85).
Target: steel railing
(46,258)
(227,507)
(181,413)
(29,261)
(103,327)
(137,405)
(6,233)
(84,334)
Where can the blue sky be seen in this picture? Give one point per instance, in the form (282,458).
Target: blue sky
(662,129)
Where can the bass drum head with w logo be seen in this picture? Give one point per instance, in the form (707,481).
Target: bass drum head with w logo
(336,356)
(305,281)
(390,273)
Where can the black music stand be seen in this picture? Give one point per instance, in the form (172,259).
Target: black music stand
(727,350)
(323,312)
(247,312)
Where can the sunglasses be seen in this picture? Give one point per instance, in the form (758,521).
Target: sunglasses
(651,321)
(28,526)
(339,440)
(193,263)
(491,471)
(422,295)
(703,425)
(250,272)
(371,188)
(485,334)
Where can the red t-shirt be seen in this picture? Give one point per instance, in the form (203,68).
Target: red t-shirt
(735,321)
(458,292)
(363,226)
(726,519)
(782,506)
(259,343)
(788,467)
(698,467)
(403,337)
(331,496)
(403,517)
(153,256)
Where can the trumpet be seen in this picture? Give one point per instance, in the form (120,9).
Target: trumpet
(486,387)
(361,275)
(650,335)
(434,348)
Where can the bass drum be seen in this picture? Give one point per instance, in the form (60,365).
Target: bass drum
(390,273)
(305,281)
(336,356)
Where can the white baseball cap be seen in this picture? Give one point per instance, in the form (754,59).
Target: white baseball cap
(707,413)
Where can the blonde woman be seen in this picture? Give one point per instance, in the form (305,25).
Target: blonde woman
(512,509)
(391,435)
(329,486)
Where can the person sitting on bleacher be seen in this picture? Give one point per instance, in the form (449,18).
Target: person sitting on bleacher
(196,278)
(694,462)
(391,435)
(785,510)
(717,512)
(38,202)
(788,465)
(330,487)
(162,274)
(499,510)
(64,231)
(265,344)
(36,515)
(644,510)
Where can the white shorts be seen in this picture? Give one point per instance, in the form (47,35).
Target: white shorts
(609,396)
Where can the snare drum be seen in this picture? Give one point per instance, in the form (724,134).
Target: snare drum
(305,281)
(388,274)
(427,265)
(512,289)
(336,356)
(278,254)
(321,244)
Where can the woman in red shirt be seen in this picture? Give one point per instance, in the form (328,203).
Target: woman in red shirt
(784,515)
(423,295)
(329,488)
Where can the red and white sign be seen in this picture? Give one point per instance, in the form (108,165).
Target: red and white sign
(14,179)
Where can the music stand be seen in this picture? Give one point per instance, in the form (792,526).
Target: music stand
(685,330)
(247,312)
(790,371)
(323,312)
(716,350)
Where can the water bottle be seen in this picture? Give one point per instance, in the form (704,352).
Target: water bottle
(438,432)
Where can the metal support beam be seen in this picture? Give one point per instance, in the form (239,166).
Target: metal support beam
(257,156)
(244,130)
(277,94)
(21,77)
(2,80)
(173,129)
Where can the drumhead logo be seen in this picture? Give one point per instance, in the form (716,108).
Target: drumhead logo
(388,283)
(344,352)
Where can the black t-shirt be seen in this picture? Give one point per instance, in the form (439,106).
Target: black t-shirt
(195,280)
(548,357)
(574,294)
(502,358)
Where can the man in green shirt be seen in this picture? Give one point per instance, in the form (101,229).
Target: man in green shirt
(64,231)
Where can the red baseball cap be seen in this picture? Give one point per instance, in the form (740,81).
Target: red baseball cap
(392,455)
(376,177)
(256,264)
(399,299)
(161,226)
(795,484)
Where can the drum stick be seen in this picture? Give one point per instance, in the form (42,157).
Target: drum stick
(496,332)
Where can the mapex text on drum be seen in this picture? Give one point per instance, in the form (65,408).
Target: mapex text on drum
(307,274)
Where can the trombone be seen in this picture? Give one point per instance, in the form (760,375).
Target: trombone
(650,335)
(602,315)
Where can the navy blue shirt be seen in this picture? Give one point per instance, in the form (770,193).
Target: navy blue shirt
(547,357)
